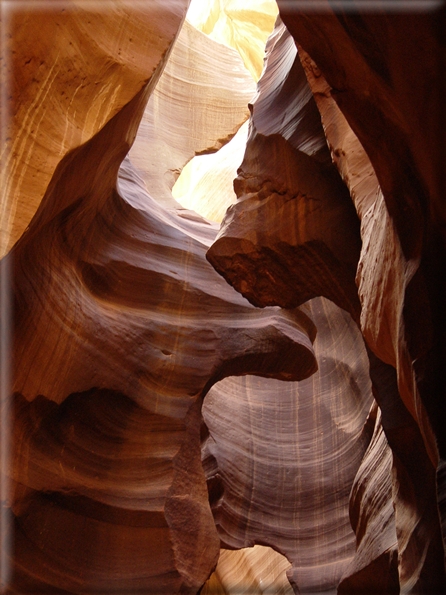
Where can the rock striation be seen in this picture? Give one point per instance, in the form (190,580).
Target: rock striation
(379,236)
(66,72)
(254,407)
(244,26)
(113,397)
(316,256)
(212,175)
(390,277)
(281,458)
(207,87)
(259,569)
(107,491)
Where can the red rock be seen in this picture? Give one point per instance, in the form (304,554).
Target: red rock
(256,251)
(121,358)
(68,73)
(281,458)
(121,326)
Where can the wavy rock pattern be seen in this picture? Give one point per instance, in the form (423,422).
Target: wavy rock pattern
(113,482)
(250,570)
(383,277)
(375,563)
(57,98)
(244,25)
(403,139)
(121,359)
(207,88)
(258,257)
(268,264)
(281,457)
(206,184)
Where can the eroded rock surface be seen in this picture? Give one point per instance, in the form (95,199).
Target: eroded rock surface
(375,563)
(258,569)
(206,184)
(244,25)
(382,266)
(114,481)
(275,262)
(274,254)
(204,89)
(67,71)
(281,457)
(107,486)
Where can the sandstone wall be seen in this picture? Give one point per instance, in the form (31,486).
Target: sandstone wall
(158,418)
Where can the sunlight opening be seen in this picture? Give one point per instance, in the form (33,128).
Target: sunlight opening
(205,184)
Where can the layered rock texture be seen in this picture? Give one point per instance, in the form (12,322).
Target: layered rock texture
(251,407)
(377,263)
(66,72)
(292,450)
(207,87)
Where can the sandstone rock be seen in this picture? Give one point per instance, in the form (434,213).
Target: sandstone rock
(281,457)
(368,57)
(68,71)
(113,482)
(383,278)
(199,103)
(206,184)
(374,567)
(119,357)
(394,110)
(240,24)
(250,570)
(263,249)
(275,262)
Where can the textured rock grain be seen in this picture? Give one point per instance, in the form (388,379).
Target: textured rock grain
(281,457)
(113,482)
(68,71)
(204,90)
(380,271)
(240,24)
(250,570)
(120,356)
(395,112)
(383,278)
(375,563)
(275,262)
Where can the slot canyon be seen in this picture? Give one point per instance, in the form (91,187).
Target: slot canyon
(223,229)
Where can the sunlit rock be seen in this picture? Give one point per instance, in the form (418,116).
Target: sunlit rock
(250,570)
(240,24)
(383,277)
(276,254)
(152,417)
(293,234)
(67,71)
(206,184)
(120,358)
(204,90)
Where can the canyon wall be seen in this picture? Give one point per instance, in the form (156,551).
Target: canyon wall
(262,399)
(65,72)
(378,268)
